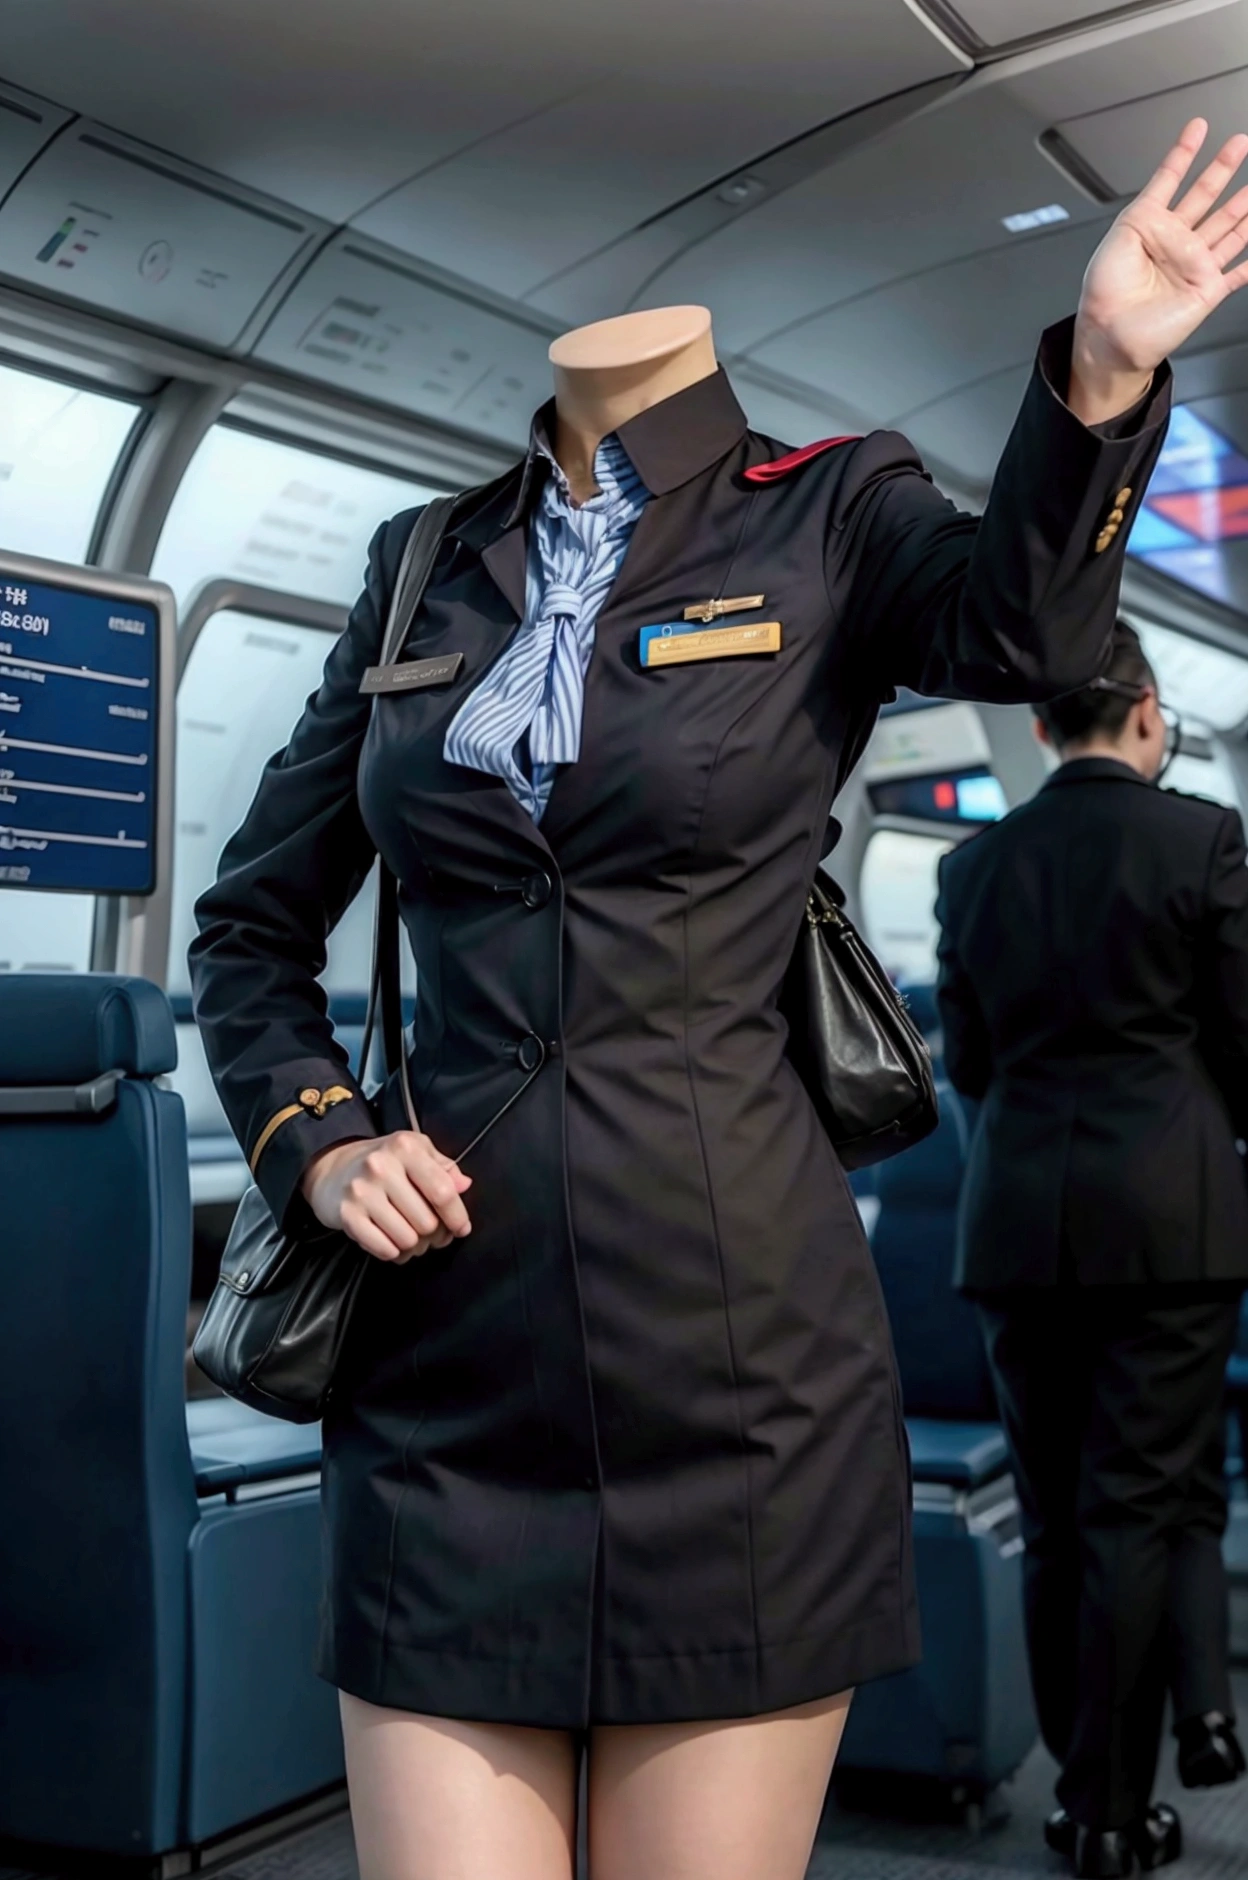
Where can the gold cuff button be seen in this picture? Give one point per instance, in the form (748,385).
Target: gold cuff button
(1103,541)
(1123,497)
(1115,517)
(309,1098)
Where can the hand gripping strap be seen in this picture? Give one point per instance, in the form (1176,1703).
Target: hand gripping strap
(783,466)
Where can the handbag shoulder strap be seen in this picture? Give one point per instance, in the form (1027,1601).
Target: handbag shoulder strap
(384,991)
(415,568)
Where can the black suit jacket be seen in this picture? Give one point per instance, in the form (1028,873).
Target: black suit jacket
(1094,992)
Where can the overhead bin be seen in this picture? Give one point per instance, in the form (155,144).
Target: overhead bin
(1122,144)
(366,320)
(988,24)
(27,123)
(127,229)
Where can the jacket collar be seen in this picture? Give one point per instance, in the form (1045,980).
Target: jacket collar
(667,445)
(1095,769)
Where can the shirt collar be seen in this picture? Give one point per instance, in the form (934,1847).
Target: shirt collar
(667,445)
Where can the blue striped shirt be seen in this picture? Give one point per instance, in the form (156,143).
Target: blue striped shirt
(524,718)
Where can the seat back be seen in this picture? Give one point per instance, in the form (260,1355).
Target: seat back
(940,1354)
(97,1496)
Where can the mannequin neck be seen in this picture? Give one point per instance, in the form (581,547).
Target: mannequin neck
(608,373)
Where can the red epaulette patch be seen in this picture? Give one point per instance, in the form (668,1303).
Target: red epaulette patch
(781,466)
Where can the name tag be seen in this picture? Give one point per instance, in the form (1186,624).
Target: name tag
(412,676)
(678,645)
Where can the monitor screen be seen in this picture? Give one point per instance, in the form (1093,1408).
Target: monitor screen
(969,796)
(79,712)
(1193,523)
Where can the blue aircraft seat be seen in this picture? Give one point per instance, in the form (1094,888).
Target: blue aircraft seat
(965,1715)
(158,1604)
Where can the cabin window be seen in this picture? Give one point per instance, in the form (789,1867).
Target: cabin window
(275,515)
(898,898)
(243,688)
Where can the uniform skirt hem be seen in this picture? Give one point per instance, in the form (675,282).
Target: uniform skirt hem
(698,1687)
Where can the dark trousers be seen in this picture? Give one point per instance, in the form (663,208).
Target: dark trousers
(1112,1400)
(1198,1608)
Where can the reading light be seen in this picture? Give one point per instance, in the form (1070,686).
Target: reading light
(1035,218)
(741,189)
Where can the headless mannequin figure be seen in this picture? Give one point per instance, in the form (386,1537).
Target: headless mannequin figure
(437,1799)
(608,372)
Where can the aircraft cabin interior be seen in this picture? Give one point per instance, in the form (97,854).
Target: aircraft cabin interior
(270,274)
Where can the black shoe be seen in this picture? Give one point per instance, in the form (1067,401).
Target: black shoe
(1060,1832)
(1158,1839)
(1209,1752)
(1103,1853)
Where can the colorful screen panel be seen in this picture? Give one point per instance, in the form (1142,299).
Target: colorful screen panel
(1193,523)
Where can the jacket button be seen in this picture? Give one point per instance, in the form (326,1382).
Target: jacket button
(1123,497)
(537,890)
(531,1053)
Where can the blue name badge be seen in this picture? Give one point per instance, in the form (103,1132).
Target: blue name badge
(664,632)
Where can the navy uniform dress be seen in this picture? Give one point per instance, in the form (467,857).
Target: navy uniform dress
(633,1451)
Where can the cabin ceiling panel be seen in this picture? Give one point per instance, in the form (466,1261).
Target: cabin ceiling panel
(1125,143)
(330,107)
(26,124)
(561,183)
(362,319)
(894,351)
(103,220)
(1001,22)
(922,196)
(1162,52)
(968,429)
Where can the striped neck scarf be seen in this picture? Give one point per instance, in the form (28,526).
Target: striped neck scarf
(534,695)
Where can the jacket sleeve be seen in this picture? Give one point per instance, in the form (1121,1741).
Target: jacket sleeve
(1222,970)
(1019,604)
(967,1051)
(284,881)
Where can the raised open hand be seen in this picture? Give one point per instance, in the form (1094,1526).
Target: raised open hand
(1160,271)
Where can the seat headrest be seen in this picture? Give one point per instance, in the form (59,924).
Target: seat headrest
(66,1028)
(930,1174)
(925,1012)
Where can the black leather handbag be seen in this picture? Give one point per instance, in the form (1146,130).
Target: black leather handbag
(863,1060)
(275,1325)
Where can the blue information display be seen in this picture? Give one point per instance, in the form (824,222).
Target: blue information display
(79,689)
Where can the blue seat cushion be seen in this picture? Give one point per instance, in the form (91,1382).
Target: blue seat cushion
(67,1028)
(1237,1376)
(231,1444)
(959,1455)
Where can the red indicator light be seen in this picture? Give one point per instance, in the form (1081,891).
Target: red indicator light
(945,796)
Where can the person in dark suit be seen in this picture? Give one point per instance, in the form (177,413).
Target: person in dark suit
(1094,994)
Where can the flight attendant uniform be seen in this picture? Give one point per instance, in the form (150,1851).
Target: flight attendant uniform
(633,1451)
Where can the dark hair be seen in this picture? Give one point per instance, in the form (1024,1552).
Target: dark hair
(1101,710)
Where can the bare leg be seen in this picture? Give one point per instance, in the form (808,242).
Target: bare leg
(433,1799)
(712,1801)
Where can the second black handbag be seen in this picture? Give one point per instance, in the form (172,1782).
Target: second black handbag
(862,1058)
